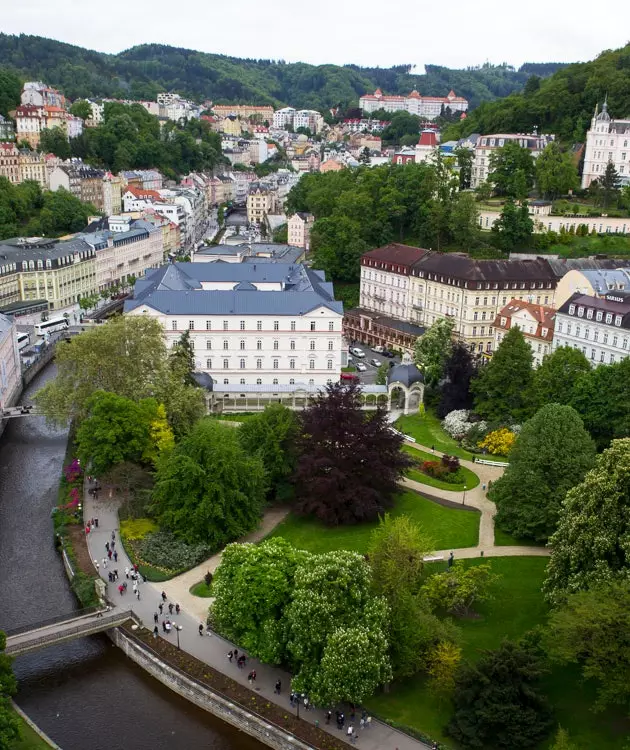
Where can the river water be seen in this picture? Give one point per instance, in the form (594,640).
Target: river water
(85,694)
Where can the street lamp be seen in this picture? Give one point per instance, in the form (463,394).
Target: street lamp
(464,499)
(177,629)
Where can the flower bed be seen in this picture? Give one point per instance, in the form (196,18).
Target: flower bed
(248,699)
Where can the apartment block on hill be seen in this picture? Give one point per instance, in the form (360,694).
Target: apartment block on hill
(607,140)
(486,145)
(428,107)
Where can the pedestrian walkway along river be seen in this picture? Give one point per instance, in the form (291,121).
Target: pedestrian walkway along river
(85,694)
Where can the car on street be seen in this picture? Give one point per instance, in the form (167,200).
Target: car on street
(361,367)
(387,353)
(375,362)
(357,352)
(378,349)
(349,377)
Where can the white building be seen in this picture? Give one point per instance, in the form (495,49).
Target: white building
(308,118)
(10,370)
(488,144)
(299,229)
(427,107)
(250,324)
(599,327)
(536,323)
(283,117)
(607,140)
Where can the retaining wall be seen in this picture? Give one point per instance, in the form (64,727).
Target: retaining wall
(205,698)
(34,727)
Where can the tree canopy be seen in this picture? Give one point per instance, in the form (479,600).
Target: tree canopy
(511,170)
(207,488)
(552,453)
(502,388)
(592,542)
(556,378)
(9,724)
(349,462)
(459,370)
(556,173)
(433,349)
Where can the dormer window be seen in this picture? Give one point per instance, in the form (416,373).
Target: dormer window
(617,320)
(581,312)
(571,309)
(599,315)
(589,314)
(608,318)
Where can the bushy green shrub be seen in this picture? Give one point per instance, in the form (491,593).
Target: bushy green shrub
(163,549)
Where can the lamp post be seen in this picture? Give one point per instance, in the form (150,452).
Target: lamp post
(464,498)
(177,629)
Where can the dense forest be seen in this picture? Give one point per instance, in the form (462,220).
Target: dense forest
(143,71)
(562,103)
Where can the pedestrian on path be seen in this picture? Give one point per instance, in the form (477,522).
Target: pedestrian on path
(161,607)
(177,608)
(155,631)
(96,522)
(109,554)
(96,563)
(278,687)
(328,716)
(113,535)
(164,625)
(236,654)
(201,629)
(137,592)
(451,557)
(121,589)
(307,704)
(368,722)
(230,656)
(115,574)
(156,619)
(164,597)
(126,571)
(106,546)
(115,556)
(170,609)
(350,732)
(99,613)
(104,562)
(362,723)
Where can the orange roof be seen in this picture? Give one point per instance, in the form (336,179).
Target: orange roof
(544,317)
(140,193)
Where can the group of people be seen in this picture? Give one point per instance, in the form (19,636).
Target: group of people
(91,524)
(240,660)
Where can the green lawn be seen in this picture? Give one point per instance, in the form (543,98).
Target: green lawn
(201,589)
(471,479)
(447,527)
(517,607)
(29,740)
(428,431)
(502,539)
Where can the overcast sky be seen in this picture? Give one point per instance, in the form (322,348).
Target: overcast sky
(367,32)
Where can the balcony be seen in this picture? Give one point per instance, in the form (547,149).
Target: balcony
(418,306)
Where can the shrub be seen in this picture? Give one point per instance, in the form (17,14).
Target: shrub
(135,529)
(499,442)
(450,462)
(476,433)
(456,423)
(162,549)
(434,469)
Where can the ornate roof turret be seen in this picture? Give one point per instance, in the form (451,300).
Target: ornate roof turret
(406,373)
(603,116)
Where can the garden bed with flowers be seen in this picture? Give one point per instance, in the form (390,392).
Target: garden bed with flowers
(444,472)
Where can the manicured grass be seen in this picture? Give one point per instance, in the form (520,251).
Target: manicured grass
(29,740)
(428,431)
(349,368)
(502,539)
(447,527)
(517,607)
(471,479)
(201,589)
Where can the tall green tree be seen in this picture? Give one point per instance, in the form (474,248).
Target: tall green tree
(182,358)
(514,227)
(552,453)
(592,542)
(610,185)
(10,89)
(349,462)
(433,348)
(502,388)
(497,702)
(465,158)
(556,173)
(556,379)
(9,724)
(55,141)
(81,108)
(272,436)
(464,221)
(512,170)
(337,247)
(591,629)
(208,489)
(459,370)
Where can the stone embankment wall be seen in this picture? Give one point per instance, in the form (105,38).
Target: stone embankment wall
(201,696)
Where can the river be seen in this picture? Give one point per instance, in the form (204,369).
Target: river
(84,694)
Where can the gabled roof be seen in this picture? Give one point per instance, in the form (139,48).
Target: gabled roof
(396,253)
(543,316)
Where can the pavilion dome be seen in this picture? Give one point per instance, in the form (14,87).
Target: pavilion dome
(405,373)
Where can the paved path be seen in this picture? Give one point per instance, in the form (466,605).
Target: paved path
(212,649)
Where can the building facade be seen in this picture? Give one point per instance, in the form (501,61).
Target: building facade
(10,369)
(592,282)
(260,202)
(9,162)
(7,129)
(250,324)
(597,326)
(263,114)
(486,145)
(536,323)
(299,229)
(428,107)
(33,167)
(607,140)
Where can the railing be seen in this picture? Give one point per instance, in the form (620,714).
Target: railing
(487,462)
(86,628)
(52,621)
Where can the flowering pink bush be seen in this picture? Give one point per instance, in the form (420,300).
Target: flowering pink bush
(72,471)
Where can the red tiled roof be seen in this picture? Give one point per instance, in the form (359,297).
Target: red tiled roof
(427,138)
(544,317)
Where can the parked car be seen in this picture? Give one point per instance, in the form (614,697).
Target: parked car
(387,353)
(357,352)
(375,362)
(361,367)
(350,377)
(378,349)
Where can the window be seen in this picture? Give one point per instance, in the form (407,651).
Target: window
(477,300)
(292,364)
(475,315)
(259,344)
(589,314)
(587,332)
(242,381)
(612,359)
(225,325)
(311,365)
(312,325)
(329,364)
(242,343)
(617,320)
(592,353)
(292,344)
(208,325)
(581,312)
(293,325)
(225,344)
(331,325)
(208,344)
(605,339)
(226,381)
(259,364)
(275,381)
(173,325)
(615,340)
(242,325)
(330,346)
(258,381)
(599,315)
(312,345)
(275,364)
(291,381)
(208,364)
(226,364)
(259,325)
(276,325)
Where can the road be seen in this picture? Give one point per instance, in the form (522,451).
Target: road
(369,376)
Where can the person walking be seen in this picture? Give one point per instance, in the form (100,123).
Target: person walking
(362,723)
(161,607)
(115,555)
(156,619)
(164,625)
(121,589)
(201,629)
(115,574)
(250,677)
(113,535)
(278,687)
(96,522)
(97,566)
(155,631)
(137,592)
(104,562)
(368,722)
(350,732)
(109,554)
(164,597)
(170,609)
(177,609)
(106,546)
(328,716)
(230,656)
(451,557)
(236,654)
(126,571)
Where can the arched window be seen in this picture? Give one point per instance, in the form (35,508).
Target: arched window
(242,364)
(226,364)
(292,364)
(259,364)
(242,343)
(259,344)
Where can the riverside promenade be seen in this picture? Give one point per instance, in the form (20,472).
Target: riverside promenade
(212,648)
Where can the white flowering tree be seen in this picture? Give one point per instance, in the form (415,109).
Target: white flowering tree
(333,606)
(456,423)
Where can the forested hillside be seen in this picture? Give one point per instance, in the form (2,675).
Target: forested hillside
(143,71)
(561,104)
